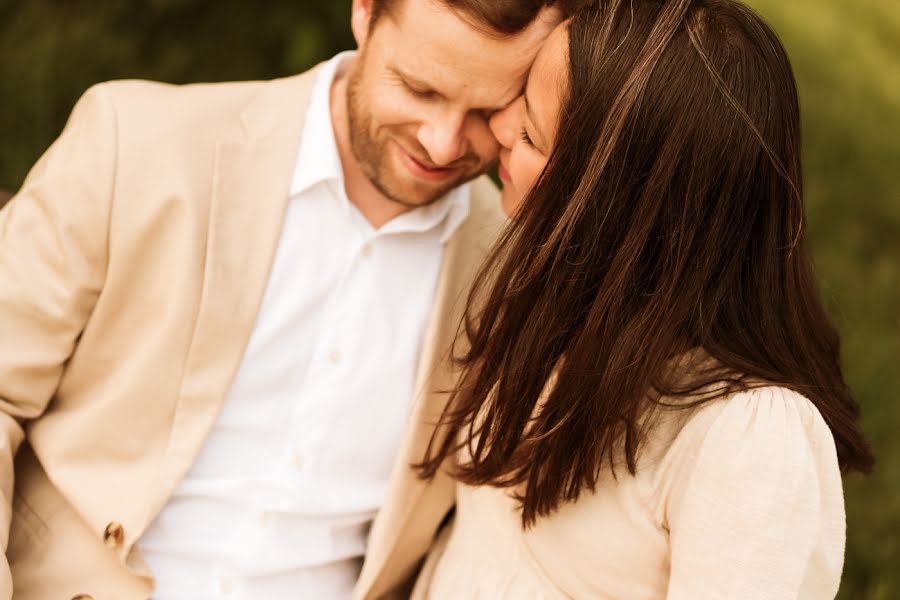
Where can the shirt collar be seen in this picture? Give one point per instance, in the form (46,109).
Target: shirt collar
(318,161)
(446,213)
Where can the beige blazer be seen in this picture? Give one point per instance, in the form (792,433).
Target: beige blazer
(132,265)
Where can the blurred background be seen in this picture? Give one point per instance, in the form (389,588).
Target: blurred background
(846,54)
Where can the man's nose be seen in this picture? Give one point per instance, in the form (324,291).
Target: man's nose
(444,138)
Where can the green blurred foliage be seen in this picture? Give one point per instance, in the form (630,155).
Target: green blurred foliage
(52,50)
(846,54)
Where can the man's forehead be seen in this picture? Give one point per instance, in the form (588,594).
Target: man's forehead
(439,47)
(481,85)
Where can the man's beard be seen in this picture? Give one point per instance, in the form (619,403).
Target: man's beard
(372,154)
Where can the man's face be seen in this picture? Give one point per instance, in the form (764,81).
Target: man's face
(420,95)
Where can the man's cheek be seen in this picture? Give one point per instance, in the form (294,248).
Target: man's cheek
(392,109)
(487,148)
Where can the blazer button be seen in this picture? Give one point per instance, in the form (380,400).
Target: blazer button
(114,536)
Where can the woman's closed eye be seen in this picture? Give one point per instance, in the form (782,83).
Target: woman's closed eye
(525,137)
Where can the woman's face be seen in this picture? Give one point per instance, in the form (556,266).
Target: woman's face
(526,129)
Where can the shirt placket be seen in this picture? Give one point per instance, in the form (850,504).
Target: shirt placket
(329,365)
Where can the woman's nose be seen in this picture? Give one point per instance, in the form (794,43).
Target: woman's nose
(503,124)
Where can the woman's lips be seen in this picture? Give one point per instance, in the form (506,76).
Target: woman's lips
(504,174)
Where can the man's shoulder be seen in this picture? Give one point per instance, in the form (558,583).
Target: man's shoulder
(485,197)
(485,200)
(485,189)
(143,94)
(486,218)
(155,106)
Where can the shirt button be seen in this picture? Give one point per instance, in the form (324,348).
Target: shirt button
(225,585)
(263,518)
(334,356)
(114,535)
(367,250)
(298,461)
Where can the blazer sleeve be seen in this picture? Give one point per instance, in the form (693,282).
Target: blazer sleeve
(759,511)
(53,256)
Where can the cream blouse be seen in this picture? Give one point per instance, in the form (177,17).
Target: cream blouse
(738,499)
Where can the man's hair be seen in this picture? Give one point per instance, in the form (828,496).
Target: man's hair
(496,17)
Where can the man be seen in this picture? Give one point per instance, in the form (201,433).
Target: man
(226,310)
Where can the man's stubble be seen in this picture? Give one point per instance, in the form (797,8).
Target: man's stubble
(371,154)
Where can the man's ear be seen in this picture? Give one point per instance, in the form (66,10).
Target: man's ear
(361,20)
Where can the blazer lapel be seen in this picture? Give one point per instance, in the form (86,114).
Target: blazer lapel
(413,508)
(250,192)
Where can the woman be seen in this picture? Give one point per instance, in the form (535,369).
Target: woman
(651,404)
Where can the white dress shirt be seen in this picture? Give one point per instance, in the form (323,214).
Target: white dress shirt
(280,499)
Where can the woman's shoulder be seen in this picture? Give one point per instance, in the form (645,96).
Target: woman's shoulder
(763,417)
(753,411)
(766,439)
(754,477)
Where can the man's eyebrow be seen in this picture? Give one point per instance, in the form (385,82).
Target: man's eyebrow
(412,80)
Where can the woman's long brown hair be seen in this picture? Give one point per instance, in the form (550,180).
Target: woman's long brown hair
(669,219)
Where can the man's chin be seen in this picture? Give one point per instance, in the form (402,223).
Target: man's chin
(413,194)
(415,197)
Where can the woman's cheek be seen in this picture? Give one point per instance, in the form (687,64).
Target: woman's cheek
(510,200)
(525,168)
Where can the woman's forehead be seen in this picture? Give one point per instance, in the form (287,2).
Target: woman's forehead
(548,79)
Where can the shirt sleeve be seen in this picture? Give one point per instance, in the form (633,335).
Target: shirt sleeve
(759,510)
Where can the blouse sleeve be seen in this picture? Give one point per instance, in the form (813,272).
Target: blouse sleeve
(759,511)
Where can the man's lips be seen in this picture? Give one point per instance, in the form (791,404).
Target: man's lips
(425,171)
